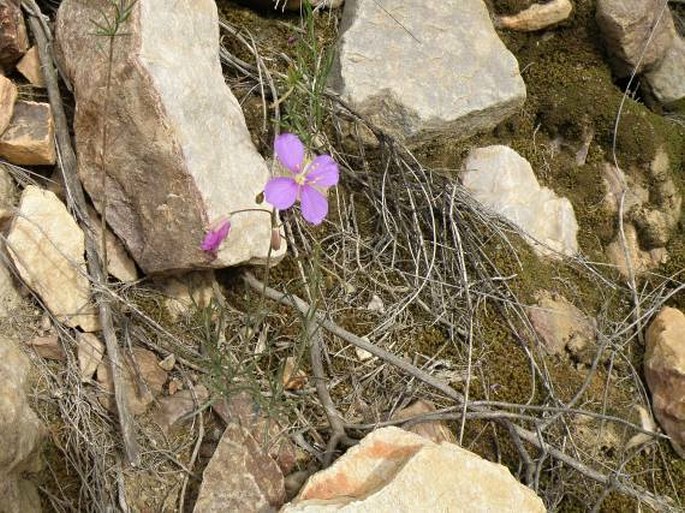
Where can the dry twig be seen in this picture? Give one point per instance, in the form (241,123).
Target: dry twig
(78,203)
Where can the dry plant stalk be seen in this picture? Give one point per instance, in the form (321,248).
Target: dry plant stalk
(77,199)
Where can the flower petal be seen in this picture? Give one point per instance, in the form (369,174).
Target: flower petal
(322,172)
(281,192)
(289,151)
(314,205)
(215,237)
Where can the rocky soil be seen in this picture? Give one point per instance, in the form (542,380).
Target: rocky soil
(499,272)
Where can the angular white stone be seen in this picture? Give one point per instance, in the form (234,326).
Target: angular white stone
(560,326)
(667,81)
(185,294)
(179,157)
(639,261)
(503,181)
(47,248)
(119,263)
(395,471)
(240,477)
(29,66)
(8,95)
(90,351)
(142,382)
(420,68)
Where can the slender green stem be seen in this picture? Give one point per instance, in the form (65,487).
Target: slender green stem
(109,27)
(103,151)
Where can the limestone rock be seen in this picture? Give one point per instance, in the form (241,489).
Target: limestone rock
(596,436)
(562,326)
(503,181)
(641,261)
(13,38)
(8,97)
(47,346)
(616,183)
(241,409)
(172,409)
(293,376)
(627,25)
(179,157)
(119,263)
(168,362)
(665,373)
(537,16)
(174,386)
(240,477)
(652,201)
(29,140)
(8,194)
(666,194)
(90,351)
(394,471)
(29,66)
(667,80)
(654,226)
(187,292)
(417,69)
(47,248)
(20,434)
(433,430)
(9,293)
(143,380)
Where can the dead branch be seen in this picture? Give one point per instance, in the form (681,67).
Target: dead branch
(338,435)
(77,200)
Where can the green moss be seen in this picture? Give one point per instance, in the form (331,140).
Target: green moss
(151,303)
(507,7)
(677,106)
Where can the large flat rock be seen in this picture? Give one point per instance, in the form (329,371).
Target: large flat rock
(179,156)
(47,248)
(418,69)
(503,181)
(395,471)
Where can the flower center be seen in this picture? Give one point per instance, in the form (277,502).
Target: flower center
(301,177)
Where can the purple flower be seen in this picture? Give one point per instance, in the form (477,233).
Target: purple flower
(307,183)
(216,235)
